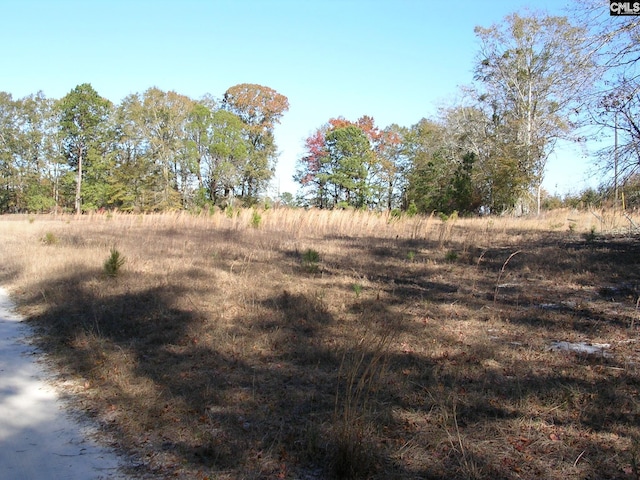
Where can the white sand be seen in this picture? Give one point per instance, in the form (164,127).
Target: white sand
(38,438)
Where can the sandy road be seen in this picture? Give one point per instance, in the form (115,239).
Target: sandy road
(38,437)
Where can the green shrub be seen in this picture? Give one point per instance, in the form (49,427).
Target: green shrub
(310,260)
(396,213)
(256,218)
(49,238)
(451,256)
(114,263)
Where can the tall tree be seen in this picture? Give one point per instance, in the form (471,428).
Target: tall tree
(260,108)
(82,112)
(36,153)
(534,69)
(228,154)
(348,154)
(392,165)
(8,139)
(218,140)
(431,170)
(164,120)
(309,169)
(137,172)
(329,151)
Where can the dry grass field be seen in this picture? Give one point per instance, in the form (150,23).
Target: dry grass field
(292,344)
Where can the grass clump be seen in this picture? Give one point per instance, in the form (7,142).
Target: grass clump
(114,263)
(359,377)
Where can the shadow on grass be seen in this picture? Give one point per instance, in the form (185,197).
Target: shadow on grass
(152,373)
(257,398)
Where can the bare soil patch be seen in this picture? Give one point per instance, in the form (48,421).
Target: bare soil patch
(405,349)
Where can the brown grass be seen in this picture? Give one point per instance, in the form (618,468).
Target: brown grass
(413,349)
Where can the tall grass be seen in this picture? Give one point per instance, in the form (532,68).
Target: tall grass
(324,344)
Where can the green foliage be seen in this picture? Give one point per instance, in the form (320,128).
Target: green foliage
(632,191)
(441,173)
(411,255)
(114,263)
(395,213)
(357,289)
(256,219)
(311,260)
(82,114)
(49,238)
(348,154)
(287,199)
(40,203)
(544,56)
(260,109)
(461,189)
(412,210)
(551,202)
(451,256)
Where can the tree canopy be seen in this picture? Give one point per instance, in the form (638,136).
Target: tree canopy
(155,150)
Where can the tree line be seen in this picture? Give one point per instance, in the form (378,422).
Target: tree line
(539,79)
(154,151)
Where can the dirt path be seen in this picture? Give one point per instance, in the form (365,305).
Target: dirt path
(38,437)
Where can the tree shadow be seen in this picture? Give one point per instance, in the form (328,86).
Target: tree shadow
(259,397)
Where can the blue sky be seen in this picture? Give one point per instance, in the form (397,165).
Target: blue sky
(394,60)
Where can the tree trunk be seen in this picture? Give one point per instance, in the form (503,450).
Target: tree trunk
(79,184)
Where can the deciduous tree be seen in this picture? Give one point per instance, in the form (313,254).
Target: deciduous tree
(534,69)
(260,108)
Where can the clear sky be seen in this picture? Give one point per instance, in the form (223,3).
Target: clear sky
(394,60)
